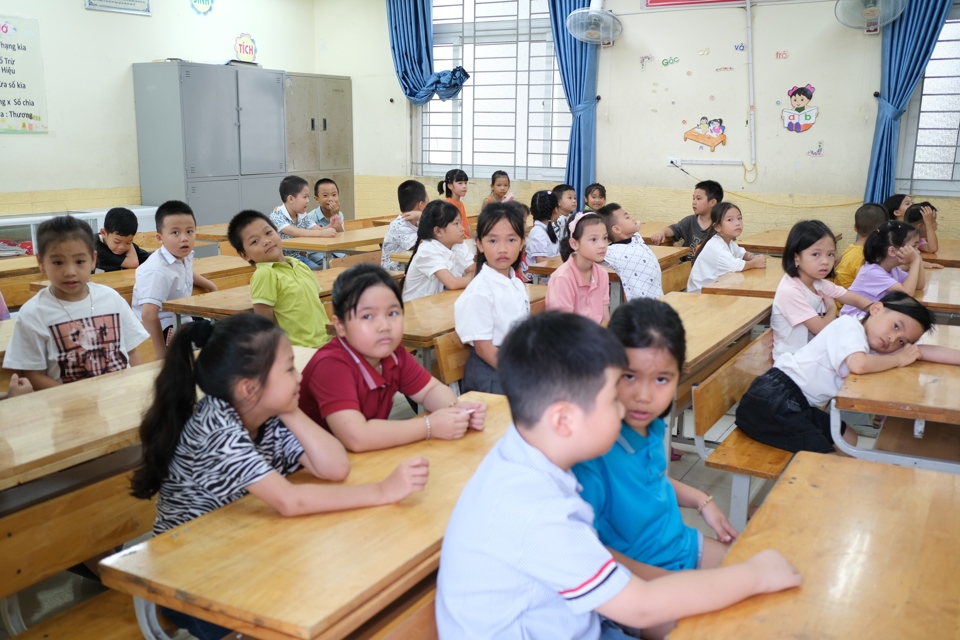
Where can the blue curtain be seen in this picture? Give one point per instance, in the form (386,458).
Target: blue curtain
(908,43)
(577,62)
(411,41)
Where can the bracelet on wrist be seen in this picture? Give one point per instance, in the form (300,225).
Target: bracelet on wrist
(427,420)
(703,505)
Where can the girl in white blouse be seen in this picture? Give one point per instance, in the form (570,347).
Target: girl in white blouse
(719,253)
(440,259)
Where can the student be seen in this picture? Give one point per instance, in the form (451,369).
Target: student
(897,205)
(804,302)
(499,189)
(634,262)
(244,436)
(168,273)
(290,220)
(543,243)
(720,254)
(866,220)
(567,205)
(595,197)
(520,557)
(923,216)
(888,248)
(636,504)
(348,385)
(74,328)
(693,229)
(282,289)
(454,185)
(115,247)
(782,407)
(495,299)
(328,214)
(402,232)
(435,264)
(581,285)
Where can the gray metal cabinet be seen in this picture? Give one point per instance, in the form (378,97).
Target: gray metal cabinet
(205,131)
(319,130)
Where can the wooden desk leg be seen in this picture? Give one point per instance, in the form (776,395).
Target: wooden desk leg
(147,618)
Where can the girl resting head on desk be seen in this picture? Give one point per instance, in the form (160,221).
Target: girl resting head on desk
(782,407)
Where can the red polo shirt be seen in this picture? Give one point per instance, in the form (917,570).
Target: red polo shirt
(338,378)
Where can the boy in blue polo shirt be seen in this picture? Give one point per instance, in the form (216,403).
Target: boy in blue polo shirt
(520,557)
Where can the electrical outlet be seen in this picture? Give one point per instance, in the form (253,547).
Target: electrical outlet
(676,162)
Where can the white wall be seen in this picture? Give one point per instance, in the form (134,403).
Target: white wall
(352,39)
(87,58)
(641,111)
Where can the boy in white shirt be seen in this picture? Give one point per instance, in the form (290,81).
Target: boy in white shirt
(327,214)
(290,220)
(629,255)
(168,273)
(402,233)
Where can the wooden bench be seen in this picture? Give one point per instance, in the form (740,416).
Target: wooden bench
(738,454)
(411,616)
(451,359)
(675,278)
(371,257)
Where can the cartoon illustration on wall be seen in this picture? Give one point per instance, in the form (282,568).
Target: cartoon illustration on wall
(802,116)
(709,132)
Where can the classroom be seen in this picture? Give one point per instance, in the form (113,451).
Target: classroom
(279,282)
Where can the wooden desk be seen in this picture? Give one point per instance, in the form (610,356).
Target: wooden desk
(327,573)
(228,302)
(346,241)
(875,545)
(771,242)
(213,268)
(6,333)
(755,283)
(948,254)
(214,232)
(403,257)
(50,430)
(942,291)
(22,266)
(704,139)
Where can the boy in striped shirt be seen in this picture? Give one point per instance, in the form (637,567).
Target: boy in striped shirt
(520,557)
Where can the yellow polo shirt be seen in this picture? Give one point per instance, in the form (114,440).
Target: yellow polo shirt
(292,290)
(849,267)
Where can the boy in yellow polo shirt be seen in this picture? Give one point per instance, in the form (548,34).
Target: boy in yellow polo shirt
(866,220)
(282,288)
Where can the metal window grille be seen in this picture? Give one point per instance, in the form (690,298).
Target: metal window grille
(512,113)
(930,153)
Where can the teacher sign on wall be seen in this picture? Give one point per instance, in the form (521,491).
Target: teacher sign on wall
(23,95)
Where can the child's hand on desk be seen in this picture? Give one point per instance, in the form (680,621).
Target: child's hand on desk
(19,386)
(657,238)
(477,412)
(327,232)
(908,355)
(449,423)
(410,476)
(715,519)
(931,265)
(774,572)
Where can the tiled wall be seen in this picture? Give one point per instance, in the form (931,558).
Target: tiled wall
(20,202)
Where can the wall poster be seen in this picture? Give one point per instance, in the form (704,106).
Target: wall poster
(23,94)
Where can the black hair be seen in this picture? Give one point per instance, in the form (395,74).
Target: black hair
(350,285)
(893,203)
(172,208)
(242,346)
(648,323)
(801,91)
(542,206)
(62,229)
(910,307)
(491,215)
(586,220)
(606,213)
(716,217)
(498,174)
(868,218)
(553,357)
(596,186)
(561,189)
(454,175)
(121,221)
(914,213)
(437,213)
(316,185)
(892,233)
(240,222)
(711,188)
(410,193)
(291,186)
(802,236)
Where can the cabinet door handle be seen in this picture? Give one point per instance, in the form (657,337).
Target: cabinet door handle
(313,124)
(324,124)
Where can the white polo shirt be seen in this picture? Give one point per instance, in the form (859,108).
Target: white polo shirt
(490,306)
(431,256)
(539,244)
(162,277)
(520,558)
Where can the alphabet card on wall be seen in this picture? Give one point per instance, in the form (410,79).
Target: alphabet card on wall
(801,116)
(709,132)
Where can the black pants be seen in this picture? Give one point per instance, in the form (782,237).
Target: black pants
(479,376)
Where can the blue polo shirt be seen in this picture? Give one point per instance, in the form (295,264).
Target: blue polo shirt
(520,557)
(636,508)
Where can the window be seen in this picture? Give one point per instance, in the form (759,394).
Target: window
(929,155)
(512,113)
